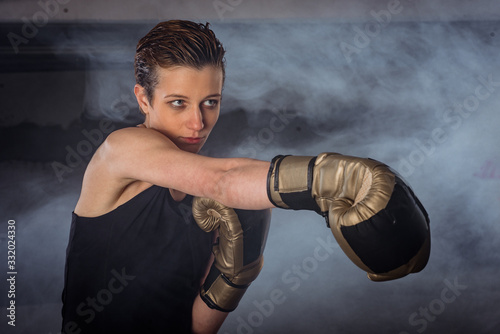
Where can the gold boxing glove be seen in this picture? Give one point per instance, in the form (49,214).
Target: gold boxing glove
(375,217)
(238,253)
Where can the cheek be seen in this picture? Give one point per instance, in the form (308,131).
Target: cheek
(211,119)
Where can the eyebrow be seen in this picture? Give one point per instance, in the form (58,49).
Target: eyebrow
(185,97)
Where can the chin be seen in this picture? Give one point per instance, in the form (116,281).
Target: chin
(192,149)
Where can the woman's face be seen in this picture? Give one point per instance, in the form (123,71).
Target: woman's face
(185,105)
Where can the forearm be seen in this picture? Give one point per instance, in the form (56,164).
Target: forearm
(146,155)
(244,185)
(205,319)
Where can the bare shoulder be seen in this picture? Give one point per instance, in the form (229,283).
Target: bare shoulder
(126,146)
(107,182)
(133,159)
(135,138)
(137,132)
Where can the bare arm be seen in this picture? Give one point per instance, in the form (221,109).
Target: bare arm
(205,319)
(147,155)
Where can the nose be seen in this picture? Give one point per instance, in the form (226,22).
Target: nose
(195,121)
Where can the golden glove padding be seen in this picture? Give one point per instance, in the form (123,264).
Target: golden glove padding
(374,216)
(227,297)
(208,213)
(233,270)
(353,189)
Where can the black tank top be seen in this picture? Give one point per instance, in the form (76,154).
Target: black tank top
(136,269)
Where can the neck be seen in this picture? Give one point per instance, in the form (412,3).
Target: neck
(177,195)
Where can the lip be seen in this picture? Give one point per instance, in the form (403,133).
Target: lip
(192,140)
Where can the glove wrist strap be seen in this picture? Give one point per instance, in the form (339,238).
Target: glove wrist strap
(289,182)
(222,294)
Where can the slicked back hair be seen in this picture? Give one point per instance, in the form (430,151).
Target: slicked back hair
(176,43)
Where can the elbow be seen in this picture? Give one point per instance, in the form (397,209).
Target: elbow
(223,185)
(220,188)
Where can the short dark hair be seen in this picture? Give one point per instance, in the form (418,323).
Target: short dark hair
(176,43)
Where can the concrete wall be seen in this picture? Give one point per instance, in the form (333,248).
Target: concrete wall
(132,10)
(421,94)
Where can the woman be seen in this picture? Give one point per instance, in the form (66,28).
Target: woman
(135,260)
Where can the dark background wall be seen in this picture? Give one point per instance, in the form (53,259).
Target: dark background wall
(414,84)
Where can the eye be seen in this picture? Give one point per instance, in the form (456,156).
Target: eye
(177,103)
(210,103)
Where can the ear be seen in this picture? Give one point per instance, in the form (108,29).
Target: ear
(142,98)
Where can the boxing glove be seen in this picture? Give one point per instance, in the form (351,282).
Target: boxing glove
(375,217)
(238,257)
